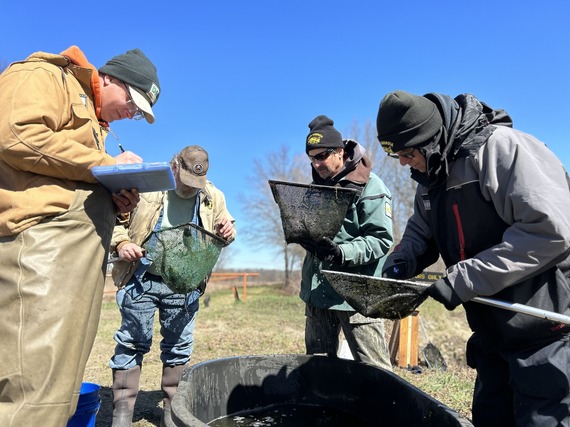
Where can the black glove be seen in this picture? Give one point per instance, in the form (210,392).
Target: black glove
(327,250)
(442,292)
(309,245)
(396,270)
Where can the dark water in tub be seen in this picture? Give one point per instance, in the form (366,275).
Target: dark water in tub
(292,415)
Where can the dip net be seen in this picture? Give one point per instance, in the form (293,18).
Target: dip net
(184,255)
(378,297)
(309,211)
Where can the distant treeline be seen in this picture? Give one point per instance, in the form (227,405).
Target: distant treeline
(265,276)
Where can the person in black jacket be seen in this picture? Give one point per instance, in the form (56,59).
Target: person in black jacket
(494,203)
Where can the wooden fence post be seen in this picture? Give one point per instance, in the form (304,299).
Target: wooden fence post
(405,339)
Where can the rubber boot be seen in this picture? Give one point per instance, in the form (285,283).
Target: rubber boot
(125,390)
(170,378)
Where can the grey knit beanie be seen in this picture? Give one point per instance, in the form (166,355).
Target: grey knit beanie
(139,74)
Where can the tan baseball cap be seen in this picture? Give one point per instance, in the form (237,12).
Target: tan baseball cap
(193,162)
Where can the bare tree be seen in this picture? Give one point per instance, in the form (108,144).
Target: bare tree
(226,255)
(264,228)
(396,177)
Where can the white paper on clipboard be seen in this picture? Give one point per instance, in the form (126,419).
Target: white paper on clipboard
(146,177)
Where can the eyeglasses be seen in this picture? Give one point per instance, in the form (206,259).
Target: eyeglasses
(137,113)
(321,157)
(408,155)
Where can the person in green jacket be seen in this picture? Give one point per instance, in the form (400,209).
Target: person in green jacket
(359,247)
(56,221)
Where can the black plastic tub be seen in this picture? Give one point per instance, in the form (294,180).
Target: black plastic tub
(240,385)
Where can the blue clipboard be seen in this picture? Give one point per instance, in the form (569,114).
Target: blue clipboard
(145,177)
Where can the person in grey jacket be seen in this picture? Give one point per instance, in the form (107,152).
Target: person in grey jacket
(143,291)
(494,203)
(359,247)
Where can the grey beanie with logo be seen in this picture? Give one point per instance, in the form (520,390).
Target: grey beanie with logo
(139,74)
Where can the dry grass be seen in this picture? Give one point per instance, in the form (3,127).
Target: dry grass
(272,323)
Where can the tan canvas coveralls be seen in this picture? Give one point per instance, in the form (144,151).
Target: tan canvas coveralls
(55,229)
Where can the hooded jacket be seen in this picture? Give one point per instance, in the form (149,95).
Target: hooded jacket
(494,203)
(364,237)
(50,136)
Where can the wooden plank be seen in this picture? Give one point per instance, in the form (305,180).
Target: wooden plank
(408,341)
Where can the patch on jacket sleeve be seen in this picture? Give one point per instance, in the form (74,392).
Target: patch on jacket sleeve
(426,202)
(388,210)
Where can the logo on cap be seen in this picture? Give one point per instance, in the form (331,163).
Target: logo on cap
(387,146)
(153,93)
(198,169)
(314,138)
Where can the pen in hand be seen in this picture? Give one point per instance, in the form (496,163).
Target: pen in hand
(127,157)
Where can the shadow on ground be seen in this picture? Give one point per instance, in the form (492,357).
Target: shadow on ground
(147,407)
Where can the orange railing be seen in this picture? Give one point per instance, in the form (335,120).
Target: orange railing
(218,277)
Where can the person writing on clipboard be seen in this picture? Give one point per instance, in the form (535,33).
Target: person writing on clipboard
(56,221)
(143,291)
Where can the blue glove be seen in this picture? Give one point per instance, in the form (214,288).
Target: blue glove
(442,292)
(327,250)
(396,270)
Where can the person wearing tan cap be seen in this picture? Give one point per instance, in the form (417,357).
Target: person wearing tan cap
(56,221)
(142,290)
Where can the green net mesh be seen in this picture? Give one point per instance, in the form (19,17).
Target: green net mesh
(184,255)
(310,211)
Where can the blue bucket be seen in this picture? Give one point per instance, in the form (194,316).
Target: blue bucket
(87,406)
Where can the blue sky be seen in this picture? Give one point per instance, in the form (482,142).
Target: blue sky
(243,78)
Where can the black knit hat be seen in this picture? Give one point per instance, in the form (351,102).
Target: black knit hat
(139,74)
(405,120)
(323,134)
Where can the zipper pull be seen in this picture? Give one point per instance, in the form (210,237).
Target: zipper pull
(96,139)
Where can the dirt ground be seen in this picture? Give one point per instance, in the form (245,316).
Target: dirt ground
(149,399)
(148,409)
(217,333)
